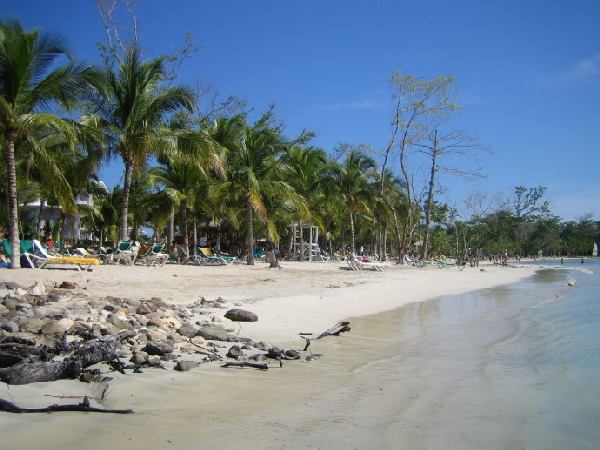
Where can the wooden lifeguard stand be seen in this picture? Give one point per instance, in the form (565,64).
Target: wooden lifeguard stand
(304,238)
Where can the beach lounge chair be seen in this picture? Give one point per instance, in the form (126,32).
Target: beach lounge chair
(208,252)
(202,260)
(443,263)
(25,246)
(410,261)
(39,258)
(362,263)
(125,252)
(153,255)
(259,254)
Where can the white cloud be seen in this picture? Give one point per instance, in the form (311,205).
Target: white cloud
(589,67)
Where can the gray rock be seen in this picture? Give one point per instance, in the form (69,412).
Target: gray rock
(235,352)
(33,325)
(261,345)
(313,356)
(3,309)
(156,334)
(275,352)
(138,359)
(133,302)
(68,285)
(259,357)
(292,354)
(213,332)
(159,348)
(58,327)
(13,285)
(11,303)
(188,330)
(177,338)
(241,315)
(143,309)
(183,366)
(37,289)
(53,297)
(10,326)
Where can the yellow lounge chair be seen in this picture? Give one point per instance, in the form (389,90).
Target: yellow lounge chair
(42,260)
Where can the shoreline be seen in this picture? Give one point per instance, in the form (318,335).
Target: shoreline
(200,408)
(300,298)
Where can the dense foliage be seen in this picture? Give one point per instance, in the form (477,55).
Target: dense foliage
(225,178)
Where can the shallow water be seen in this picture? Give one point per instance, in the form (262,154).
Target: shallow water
(506,368)
(512,367)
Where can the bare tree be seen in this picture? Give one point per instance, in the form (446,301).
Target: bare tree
(416,101)
(445,150)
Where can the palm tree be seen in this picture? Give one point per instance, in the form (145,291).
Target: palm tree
(353,178)
(304,169)
(181,182)
(30,82)
(134,112)
(253,176)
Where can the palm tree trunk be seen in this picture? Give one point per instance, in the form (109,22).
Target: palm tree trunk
(39,219)
(125,205)
(249,234)
(171,230)
(13,211)
(218,243)
(194,236)
(301,241)
(352,233)
(184,226)
(385,236)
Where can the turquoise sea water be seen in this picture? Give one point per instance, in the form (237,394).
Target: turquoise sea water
(516,367)
(513,367)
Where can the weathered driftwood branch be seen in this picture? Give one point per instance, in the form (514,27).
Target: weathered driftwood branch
(84,406)
(246,364)
(338,328)
(307,344)
(33,369)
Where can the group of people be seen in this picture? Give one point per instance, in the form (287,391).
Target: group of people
(500,258)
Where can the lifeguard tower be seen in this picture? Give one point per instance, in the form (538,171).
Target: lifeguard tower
(304,241)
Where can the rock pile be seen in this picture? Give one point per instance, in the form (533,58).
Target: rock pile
(57,331)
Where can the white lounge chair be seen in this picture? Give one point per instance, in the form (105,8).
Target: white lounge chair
(356,264)
(42,259)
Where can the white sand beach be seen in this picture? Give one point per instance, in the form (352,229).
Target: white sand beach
(301,297)
(211,407)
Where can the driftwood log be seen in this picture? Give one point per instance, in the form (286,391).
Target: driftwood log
(340,327)
(242,365)
(33,369)
(84,406)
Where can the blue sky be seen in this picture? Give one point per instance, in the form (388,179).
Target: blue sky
(528,73)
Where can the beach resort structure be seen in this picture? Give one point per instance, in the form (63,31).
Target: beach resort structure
(49,213)
(304,241)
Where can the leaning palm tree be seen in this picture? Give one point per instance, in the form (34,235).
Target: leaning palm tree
(30,82)
(134,111)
